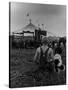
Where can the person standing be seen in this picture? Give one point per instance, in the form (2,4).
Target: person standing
(44,56)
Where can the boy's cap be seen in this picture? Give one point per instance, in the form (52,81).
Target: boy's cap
(44,40)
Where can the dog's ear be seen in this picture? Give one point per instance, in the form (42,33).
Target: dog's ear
(62,67)
(57,69)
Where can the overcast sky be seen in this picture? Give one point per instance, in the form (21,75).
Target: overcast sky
(52,16)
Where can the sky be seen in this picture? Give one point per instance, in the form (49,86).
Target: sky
(52,16)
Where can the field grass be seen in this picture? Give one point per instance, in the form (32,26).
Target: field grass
(22,67)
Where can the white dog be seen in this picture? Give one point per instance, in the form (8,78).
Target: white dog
(58,63)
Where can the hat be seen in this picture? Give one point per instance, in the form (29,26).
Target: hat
(44,40)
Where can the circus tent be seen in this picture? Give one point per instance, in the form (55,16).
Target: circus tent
(28,29)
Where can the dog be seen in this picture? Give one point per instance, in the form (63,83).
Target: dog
(58,66)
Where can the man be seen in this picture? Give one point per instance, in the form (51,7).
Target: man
(42,50)
(43,57)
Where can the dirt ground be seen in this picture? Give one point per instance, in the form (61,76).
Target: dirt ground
(22,67)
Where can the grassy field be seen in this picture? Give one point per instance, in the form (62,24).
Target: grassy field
(21,67)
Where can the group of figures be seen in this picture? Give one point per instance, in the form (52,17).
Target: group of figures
(20,43)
